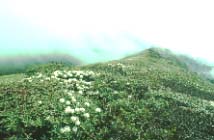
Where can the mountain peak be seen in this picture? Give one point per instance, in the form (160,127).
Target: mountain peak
(160,55)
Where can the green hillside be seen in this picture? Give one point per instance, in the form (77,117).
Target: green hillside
(152,95)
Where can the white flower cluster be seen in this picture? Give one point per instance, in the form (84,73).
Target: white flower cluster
(79,81)
(39,102)
(65,129)
(77,111)
(39,77)
(29,79)
(212,103)
(98,110)
(72,74)
(118,66)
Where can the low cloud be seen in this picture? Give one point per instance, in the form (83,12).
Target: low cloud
(16,64)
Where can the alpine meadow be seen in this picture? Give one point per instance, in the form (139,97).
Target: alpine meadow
(152,95)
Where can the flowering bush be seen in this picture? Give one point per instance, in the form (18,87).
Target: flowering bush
(62,104)
(75,115)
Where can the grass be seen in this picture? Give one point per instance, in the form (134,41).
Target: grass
(11,78)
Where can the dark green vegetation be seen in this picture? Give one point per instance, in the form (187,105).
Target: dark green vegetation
(149,96)
(19,64)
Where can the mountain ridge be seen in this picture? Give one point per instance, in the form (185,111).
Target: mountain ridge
(184,61)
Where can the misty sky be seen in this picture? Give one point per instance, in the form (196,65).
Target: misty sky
(98,30)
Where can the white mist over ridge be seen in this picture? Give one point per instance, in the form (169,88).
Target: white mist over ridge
(95,30)
(212,72)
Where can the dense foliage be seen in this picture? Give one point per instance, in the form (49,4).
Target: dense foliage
(142,97)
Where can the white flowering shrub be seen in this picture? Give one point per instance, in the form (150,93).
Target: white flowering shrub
(118,67)
(71,113)
(80,81)
(75,115)
(61,107)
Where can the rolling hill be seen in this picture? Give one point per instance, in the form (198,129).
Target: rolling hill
(153,95)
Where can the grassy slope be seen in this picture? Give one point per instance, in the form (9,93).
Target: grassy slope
(11,78)
(152,97)
(153,71)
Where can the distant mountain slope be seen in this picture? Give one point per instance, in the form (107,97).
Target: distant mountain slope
(183,61)
(191,64)
(16,64)
(195,66)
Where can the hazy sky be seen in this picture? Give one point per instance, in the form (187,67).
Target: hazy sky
(96,30)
